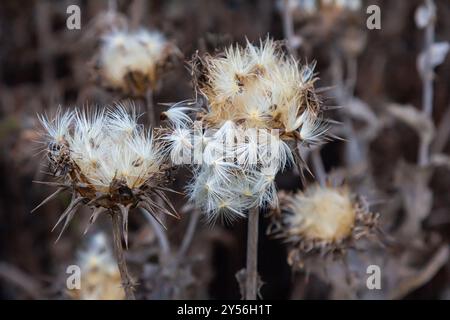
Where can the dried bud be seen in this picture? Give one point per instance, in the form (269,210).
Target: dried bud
(133,61)
(322,221)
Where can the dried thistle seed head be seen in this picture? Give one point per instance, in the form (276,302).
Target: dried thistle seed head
(133,61)
(322,221)
(261,87)
(259,103)
(256,87)
(253,88)
(107,160)
(100,275)
(324,214)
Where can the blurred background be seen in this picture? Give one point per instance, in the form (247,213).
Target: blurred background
(375,76)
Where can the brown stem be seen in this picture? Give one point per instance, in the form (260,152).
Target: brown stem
(160,235)
(288,27)
(427,82)
(150,107)
(251,279)
(427,98)
(127,281)
(319,169)
(443,133)
(189,235)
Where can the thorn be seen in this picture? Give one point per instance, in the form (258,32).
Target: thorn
(166,200)
(154,204)
(72,206)
(93,217)
(328,108)
(49,183)
(100,197)
(146,208)
(124,211)
(50,197)
(169,190)
(324,89)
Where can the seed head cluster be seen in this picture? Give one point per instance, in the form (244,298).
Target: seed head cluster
(259,105)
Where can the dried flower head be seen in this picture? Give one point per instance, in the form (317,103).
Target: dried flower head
(132,61)
(322,221)
(108,162)
(260,104)
(100,277)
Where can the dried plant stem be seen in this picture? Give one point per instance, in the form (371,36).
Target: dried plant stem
(319,169)
(127,281)
(15,276)
(149,107)
(189,235)
(443,133)
(160,234)
(288,27)
(427,83)
(427,86)
(112,5)
(137,11)
(251,279)
(423,276)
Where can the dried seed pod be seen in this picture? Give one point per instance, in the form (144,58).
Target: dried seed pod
(322,222)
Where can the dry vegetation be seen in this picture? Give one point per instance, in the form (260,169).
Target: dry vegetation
(365,123)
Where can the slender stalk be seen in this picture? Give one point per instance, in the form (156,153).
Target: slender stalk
(427,82)
(251,279)
(288,28)
(160,234)
(319,169)
(443,133)
(127,280)
(112,5)
(149,107)
(427,99)
(189,235)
